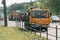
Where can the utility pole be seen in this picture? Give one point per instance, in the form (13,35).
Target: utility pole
(5,15)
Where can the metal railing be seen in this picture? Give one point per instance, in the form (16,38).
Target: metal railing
(47,34)
(56,30)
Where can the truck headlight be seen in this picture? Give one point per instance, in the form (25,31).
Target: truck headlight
(33,25)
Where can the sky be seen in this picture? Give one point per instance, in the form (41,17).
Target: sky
(9,2)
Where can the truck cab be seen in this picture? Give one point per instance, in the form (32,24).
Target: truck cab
(38,18)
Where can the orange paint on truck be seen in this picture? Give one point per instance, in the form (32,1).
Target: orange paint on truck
(40,20)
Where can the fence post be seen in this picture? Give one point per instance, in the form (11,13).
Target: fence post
(56,33)
(31,30)
(22,25)
(40,30)
(47,32)
(35,31)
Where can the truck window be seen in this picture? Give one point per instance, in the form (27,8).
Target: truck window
(39,14)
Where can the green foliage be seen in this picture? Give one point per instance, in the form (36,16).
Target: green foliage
(43,3)
(17,6)
(54,6)
(37,4)
(42,6)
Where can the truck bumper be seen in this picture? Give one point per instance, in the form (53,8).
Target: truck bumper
(38,27)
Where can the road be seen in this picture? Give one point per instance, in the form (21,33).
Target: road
(52,32)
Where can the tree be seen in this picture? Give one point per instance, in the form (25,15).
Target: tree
(54,6)
(19,6)
(37,4)
(42,3)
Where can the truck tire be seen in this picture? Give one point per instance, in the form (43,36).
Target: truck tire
(44,29)
(27,25)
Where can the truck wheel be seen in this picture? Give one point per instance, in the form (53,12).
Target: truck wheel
(44,30)
(27,25)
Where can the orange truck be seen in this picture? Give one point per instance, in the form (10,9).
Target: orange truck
(38,18)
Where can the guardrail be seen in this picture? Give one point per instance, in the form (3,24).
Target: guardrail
(35,31)
(29,29)
(55,31)
(1,23)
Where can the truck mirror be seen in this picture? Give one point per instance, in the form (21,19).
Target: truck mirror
(28,13)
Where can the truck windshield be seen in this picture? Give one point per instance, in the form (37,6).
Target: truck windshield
(39,14)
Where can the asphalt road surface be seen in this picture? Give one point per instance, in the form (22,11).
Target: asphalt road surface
(52,32)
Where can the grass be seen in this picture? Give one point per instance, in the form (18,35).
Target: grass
(11,33)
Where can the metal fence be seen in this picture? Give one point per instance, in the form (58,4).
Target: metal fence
(40,31)
(1,22)
(56,30)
